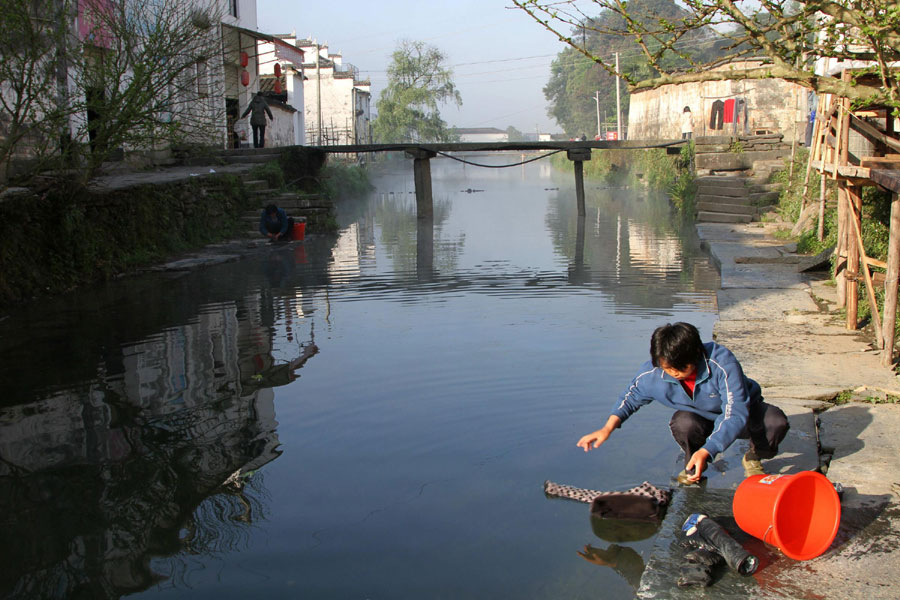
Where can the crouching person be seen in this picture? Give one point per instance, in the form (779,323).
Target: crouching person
(715,403)
(275,224)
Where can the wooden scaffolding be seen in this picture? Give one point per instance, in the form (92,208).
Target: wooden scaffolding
(830,155)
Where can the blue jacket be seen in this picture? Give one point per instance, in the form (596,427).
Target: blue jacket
(722,394)
(278,226)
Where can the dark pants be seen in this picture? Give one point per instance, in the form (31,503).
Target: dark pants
(686,135)
(259,136)
(717,115)
(766,427)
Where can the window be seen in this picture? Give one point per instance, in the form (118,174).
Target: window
(202,79)
(233,8)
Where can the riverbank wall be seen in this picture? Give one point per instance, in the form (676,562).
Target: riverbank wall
(55,239)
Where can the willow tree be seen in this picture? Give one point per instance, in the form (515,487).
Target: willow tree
(418,83)
(789,35)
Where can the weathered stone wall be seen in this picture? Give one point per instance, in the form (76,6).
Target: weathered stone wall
(773,105)
(63,237)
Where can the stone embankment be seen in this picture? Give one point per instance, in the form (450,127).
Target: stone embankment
(734,176)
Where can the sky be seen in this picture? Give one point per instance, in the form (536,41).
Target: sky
(500,57)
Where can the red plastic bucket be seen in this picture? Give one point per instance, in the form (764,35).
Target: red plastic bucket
(798,513)
(299,231)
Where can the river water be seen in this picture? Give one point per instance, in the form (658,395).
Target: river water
(370,415)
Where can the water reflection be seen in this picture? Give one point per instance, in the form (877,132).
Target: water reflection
(138,420)
(156,456)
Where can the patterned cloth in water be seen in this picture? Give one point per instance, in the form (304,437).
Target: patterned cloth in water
(645,502)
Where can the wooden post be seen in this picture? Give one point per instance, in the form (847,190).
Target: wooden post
(853,262)
(579,155)
(855,204)
(890,284)
(840,262)
(422,177)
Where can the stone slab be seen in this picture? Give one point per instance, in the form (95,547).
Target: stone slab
(194,262)
(865,439)
(762,277)
(755,234)
(705,197)
(808,395)
(716,189)
(737,209)
(762,304)
(717,217)
(784,353)
(729,161)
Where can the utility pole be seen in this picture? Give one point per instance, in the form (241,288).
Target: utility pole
(618,103)
(597,100)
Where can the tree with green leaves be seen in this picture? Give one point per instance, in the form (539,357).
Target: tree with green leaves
(408,108)
(514,135)
(579,87)
(790,35)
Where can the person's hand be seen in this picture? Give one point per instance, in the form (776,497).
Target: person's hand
(597,556)
(698,464)
(593,440)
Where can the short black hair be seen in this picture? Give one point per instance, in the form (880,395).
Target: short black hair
(679,344)
(271,209)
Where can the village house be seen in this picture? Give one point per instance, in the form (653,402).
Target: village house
(281,80)
(337,106)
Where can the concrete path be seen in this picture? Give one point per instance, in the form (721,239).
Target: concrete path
(785,328)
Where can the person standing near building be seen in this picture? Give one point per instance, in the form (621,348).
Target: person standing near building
(687,123)
(258,109)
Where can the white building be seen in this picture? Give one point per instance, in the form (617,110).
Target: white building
(481,134)
(281,78)
(338,102)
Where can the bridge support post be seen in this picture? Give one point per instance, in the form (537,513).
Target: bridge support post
(578,156)
(424,211)
(422,176)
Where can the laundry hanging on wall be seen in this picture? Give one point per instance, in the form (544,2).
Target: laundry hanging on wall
(733,112)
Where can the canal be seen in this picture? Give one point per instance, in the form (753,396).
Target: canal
(341,419)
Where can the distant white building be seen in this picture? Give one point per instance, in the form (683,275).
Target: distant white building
(338,103)
(281,79)
(481,134)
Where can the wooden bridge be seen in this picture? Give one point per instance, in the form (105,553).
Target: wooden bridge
(576,151)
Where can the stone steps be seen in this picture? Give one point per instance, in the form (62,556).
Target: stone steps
(721,217)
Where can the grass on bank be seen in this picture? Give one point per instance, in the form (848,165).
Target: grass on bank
(876,209)
(653,168)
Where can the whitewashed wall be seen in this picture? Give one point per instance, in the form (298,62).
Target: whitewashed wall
(773,104)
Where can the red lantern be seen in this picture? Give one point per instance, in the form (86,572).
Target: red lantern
(244,59)
(277,86)
(245,78)
(277,70)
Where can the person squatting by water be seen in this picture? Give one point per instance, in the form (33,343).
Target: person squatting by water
(715,403)
(275,224)
(258,109)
